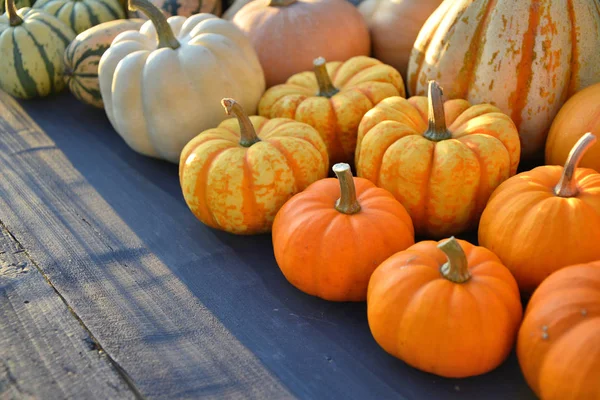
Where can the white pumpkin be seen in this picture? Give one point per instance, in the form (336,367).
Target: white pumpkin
(163,85)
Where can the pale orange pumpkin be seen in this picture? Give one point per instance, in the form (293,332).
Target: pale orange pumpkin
(442,161)
(526,57)
(558,346)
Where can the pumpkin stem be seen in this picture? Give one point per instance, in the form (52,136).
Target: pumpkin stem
(567,186)
(166,38)
(248,135)
(281,3)
(457,267)
(11,10)
(437,118)
(326,88)
(347,203)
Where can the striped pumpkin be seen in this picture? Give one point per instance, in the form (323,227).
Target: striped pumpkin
(18,4)
(82,14)
(184,8)
(32,44)
(83,55)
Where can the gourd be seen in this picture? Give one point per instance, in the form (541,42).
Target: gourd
(558,346)
(83,55)
(441,160)
(18,4)
(329,238)
(545,219)
(448,308)
(526,57)
(32,44)
(393,26)
(185,8)
(288,34)
(163,85)
(581,113)
(82,14)
(235,177)
(333,99)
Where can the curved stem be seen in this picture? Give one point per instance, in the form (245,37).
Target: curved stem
(437,118)
(567,186)
(166,38)
(281,3)
(11,10)
(456,269)
(347,203)
(326,88)
(248,135)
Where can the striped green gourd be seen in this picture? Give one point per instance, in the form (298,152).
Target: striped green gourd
(83,55)
(82,14)
(18,4)
(32,44)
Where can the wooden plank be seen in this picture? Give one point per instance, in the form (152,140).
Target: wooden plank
(44,350)
(186,311)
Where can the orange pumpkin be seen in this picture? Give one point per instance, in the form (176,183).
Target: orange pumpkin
(449,308)
(333,99)
(581,113)
(526,57)
(288,34)
(558,346)
(329,238)
(545,219)
(236,177)
(442,161)
(185,8)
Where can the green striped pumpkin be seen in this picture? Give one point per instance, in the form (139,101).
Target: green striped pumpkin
(83,55)
(82,14)
(32,44)
(18,4)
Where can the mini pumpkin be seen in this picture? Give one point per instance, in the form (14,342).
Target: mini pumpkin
(18,4)
(330,238)
(558,346)
(82,14)
(333,99)
(448,308)
(185,8)
(545,219)
(442,161)
(237,176)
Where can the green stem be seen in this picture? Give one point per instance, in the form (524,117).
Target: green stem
(567,186)
(347,203)
(11,10)
(281,3)
(166,38)
(456,269)
(326,88)
(437,118)
(248,135)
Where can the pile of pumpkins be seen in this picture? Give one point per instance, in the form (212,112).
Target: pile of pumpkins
(257,113)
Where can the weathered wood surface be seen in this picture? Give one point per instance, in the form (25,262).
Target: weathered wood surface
(184,310)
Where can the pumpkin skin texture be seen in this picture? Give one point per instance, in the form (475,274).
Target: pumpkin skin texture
(394,26)
(288,34)
(443,179)
(235,177)
(158,96)
(83,55)
(329,239)
(526,57)
(581,113)
(454,315)
(558,346)
(545,219)
(185,8)
(82,14)
(333,99)
(32,44)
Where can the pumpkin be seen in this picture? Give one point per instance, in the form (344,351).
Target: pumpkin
(82,57)
(82,14)
(545,219)
(235,177)
(525,57)
(18,4)
(581,113)
(329,239)
(393,26)
(558,346)
(333,99)
(185,8)
(160,89)
(235,6)
(288,34)
(32,44)
(448,308)
(441,160)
